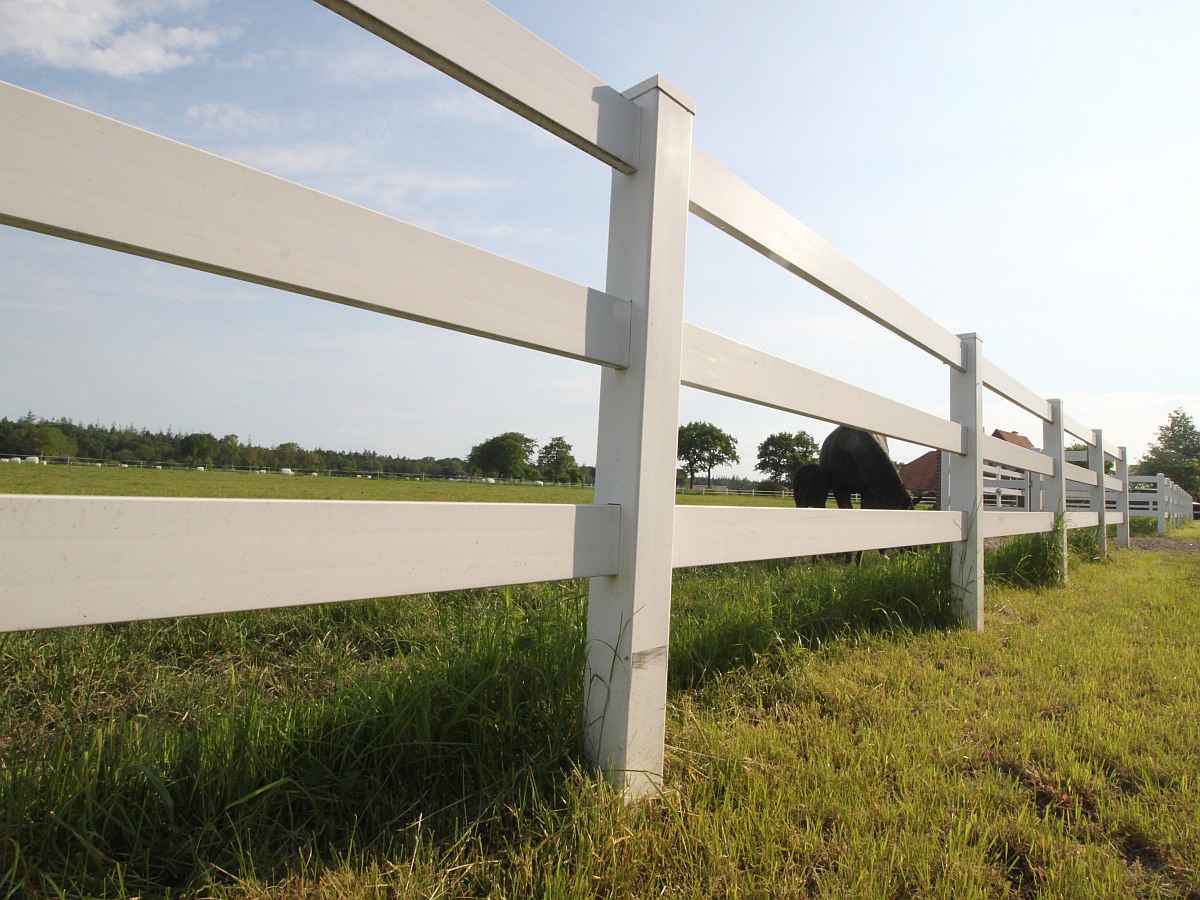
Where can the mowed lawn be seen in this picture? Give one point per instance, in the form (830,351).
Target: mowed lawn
(24,478)
(825,737)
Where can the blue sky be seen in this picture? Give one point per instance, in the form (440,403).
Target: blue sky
(1026,171)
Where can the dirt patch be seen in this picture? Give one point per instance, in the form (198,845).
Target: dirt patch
(1164,545)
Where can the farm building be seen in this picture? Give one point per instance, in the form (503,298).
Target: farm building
(923,476)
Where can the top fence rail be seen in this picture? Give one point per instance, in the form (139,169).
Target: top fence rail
(474,42)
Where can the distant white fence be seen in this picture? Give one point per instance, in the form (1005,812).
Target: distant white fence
(78,560)
(1160,497)
(1151,496)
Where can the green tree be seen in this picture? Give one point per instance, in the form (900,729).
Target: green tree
(783,452)
(555,460)
(1175,454)
(1180,435)
(503,456)
(37,437)
(49,440)
(702,447)
(229,451)
(288,455)
(198,449)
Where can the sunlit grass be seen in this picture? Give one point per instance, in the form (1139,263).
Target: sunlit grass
(828,735)
(115,481)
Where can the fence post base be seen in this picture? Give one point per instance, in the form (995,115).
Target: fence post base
(1054,445)
(965,480)
(1098,494)
(1123,498)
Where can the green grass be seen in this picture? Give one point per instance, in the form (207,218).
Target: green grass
(115,481)
(827,736)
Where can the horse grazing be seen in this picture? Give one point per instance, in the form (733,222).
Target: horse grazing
(851,462)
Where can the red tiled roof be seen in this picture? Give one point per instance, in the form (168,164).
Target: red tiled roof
(924,474)
(1013,438)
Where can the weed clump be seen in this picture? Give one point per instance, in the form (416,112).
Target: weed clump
(726,616)
(1027,561)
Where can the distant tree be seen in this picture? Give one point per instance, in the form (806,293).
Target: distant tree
(288,455)
(1175,454)
(1180,435)
(503,456)
(702,447)
(555,460)
(49,440)
(229,451)
(1109,465)
(447,467)
(783,452)
(254,457)
(198,449)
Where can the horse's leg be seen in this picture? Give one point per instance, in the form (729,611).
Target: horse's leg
(842,497)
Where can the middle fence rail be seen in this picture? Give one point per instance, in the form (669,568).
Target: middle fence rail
(71,173)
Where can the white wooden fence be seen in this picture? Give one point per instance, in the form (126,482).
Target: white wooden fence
(1152,496)
(78,560)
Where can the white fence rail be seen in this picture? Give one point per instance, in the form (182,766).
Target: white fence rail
(1151,496)
(73,560)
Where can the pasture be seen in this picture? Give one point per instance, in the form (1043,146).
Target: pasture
(829,734)
(115,481)
(67,175)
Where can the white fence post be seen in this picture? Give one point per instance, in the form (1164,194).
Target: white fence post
(629,613)
(1123,498)
(1054,444)
(1162,502)
(966,483)
(944,480)
(1098,499)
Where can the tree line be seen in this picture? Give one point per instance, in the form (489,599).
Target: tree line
(702,448)
(31,436)
(510,455)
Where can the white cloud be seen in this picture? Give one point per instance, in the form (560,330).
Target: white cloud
(301,159)
(437,183)
(508,231)
(232,119)
(394,192)
(122,38)
(372,64)
(464,106)
(369,62)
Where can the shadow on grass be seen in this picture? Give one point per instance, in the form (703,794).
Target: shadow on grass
(726,616)
(459,722)
(424,747)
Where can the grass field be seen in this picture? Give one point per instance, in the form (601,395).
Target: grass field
(115,481)
(828,735)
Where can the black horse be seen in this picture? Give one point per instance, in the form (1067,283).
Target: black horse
(852,462)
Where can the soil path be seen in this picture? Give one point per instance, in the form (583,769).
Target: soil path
(1164,545)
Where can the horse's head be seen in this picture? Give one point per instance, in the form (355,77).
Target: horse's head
(811,487)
